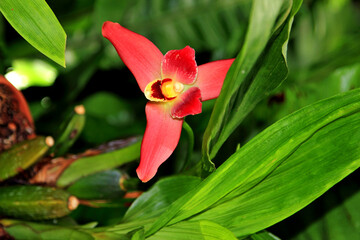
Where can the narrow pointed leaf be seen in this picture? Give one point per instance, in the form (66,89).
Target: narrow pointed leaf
(97,163)
(263,235)
(37,24)
(34,231)
(155,201)
(69,131)
(197,230)
(258,69)
(22,155)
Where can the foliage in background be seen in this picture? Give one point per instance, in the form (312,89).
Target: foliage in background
(256,178)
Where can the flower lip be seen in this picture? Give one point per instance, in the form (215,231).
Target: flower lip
(163,90)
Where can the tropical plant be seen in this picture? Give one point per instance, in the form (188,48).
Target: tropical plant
(261,161)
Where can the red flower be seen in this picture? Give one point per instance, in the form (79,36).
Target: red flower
(173,83)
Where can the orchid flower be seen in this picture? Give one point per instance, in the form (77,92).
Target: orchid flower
(174,85)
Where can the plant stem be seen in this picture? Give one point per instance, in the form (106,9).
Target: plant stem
(190,135)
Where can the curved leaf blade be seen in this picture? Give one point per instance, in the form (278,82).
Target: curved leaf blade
(97,163)
(316,165)
(197,230)
(259,69)
(37,24)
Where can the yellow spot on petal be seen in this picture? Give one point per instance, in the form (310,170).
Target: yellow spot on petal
(170,88)
(163,90)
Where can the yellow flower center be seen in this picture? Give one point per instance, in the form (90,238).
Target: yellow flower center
(163,90)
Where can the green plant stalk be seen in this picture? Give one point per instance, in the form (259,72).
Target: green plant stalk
(89,165)
(110,184)
(69,131)
(190,135)
(23,155)
(35,202)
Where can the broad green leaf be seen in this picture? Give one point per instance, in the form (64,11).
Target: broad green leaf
(263,235)
(318,164)
(194,230)
(300,138)
(151,204)
(138,235)
(155,201)
(109,236)
(93,164)
(258,69)
(34,231)
(333,216)
(35,22)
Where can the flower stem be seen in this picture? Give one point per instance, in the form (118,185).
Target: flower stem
(190,135)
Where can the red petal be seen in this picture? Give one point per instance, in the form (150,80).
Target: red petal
(187,103)
(180,65)
(138,53)
(211,77)
(161,137)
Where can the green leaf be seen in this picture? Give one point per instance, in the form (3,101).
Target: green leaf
(155,201)
(93,164)
(138,235)
(197,230)
(69,131)
(263,235)
(35,22)
(258,69)
(333,216)
(22,155)
(255,181)
(34,231)
(35,202)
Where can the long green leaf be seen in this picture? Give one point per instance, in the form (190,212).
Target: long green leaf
(256,72)
(33,231)
(159,197)
(196,230)
(333,216)
(35,21)
(93,164)
(318,164)
(263,235)
(264,153)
